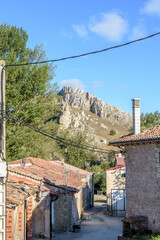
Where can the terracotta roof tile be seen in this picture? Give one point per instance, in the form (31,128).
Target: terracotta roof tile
(148,135)
(52,172)
(19,188)
(114,168)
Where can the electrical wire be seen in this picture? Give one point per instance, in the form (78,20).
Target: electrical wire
(59,139)
(84,54)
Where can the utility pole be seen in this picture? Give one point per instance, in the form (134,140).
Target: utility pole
(3,165)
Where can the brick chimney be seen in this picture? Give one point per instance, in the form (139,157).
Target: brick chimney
(136,116)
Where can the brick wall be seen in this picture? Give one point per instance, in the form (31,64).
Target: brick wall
(143,183)
(20,214)
(39,212)
(29,219)
(9,224)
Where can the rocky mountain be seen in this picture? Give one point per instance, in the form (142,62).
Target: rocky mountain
(82,111)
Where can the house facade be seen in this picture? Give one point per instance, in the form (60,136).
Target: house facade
(142,151)
(28,213)
(143,176)
(68,191)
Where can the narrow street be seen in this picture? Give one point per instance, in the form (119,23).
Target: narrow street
(99,226)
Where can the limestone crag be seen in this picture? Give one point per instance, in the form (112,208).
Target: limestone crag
(81,100)
(85,113)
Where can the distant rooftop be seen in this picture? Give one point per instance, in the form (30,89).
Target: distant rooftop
(114,168)
(54,173)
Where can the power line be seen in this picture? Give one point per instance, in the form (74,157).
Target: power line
(59,139)
(84,54)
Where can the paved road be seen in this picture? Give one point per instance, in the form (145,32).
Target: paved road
(98,228)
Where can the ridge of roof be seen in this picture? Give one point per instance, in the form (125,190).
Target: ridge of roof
(114,168)
(50,172)
(73,168)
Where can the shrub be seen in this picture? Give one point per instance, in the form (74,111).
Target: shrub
(112,132)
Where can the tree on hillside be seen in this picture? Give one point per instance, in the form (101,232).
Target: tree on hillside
(28,96)
(78,157)
(150,119)
(25,82)
(100,175)
(31,97)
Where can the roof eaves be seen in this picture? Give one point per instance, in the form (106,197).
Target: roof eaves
(128,142)
(114,168)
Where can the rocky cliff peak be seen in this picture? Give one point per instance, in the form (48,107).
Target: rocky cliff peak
(79,99)
(85,113)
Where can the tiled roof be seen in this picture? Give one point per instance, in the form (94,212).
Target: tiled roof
(82,172)
(52,172)
(114,168)
(120,161)
(19,188)
(148,135)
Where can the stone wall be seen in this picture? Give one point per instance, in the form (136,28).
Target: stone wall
(143,183)
(41,216)
(79,204)
(63,212)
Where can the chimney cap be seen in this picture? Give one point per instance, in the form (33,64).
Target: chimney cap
(136,102)
(135,99)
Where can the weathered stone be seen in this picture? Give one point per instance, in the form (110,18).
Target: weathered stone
(142,183)
(103,141)
(77,98)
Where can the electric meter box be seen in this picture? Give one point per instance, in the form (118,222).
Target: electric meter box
(3,169)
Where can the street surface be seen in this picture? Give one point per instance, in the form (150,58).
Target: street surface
(99,227)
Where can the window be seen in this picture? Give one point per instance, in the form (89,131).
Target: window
(123,172)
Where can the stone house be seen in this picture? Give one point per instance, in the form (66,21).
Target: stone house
(142,151)
(115,187)
(73,192)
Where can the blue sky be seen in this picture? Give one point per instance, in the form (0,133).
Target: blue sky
(67,28)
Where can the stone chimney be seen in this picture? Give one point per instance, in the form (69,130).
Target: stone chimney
(136,116)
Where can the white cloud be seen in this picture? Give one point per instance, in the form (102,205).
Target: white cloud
(152,7)
(80,30)
(110,25)
(72,83)
(139,31)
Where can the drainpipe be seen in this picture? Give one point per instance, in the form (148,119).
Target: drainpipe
(25,232)
(52,216)
(40,189)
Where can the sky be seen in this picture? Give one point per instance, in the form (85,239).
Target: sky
(73,27)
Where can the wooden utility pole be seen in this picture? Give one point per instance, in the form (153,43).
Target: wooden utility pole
(3,165)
